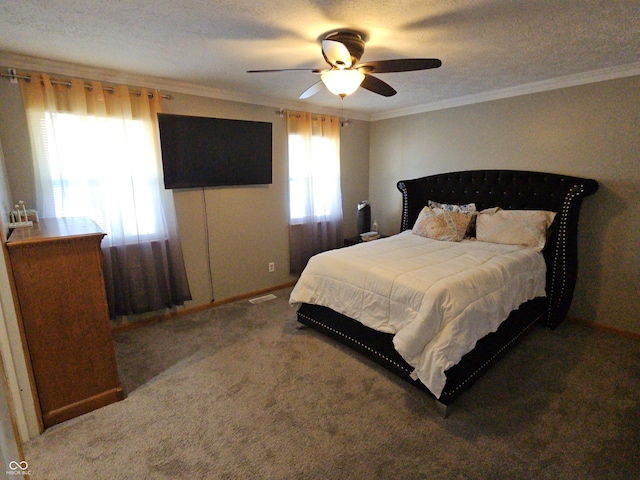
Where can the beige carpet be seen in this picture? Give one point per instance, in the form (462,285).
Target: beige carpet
(239,392)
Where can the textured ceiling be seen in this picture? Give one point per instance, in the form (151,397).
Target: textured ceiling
(488,47)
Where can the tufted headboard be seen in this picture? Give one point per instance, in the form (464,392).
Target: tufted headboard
(515,190)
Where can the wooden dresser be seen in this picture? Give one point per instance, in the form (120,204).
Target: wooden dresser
(57,268)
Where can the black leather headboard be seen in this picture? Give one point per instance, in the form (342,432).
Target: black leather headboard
(515,190)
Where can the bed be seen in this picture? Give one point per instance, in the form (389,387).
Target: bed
(545,301)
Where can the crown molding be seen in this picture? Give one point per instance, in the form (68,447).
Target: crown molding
(612,73)
(25,62)
(54,67)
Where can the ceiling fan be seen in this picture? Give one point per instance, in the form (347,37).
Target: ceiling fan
(342,50)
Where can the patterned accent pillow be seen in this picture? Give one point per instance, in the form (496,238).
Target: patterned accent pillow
(440,224)
(514,227)
(467,209)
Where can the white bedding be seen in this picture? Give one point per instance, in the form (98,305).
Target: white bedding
(438,298)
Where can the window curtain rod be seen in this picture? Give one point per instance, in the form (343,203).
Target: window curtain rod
(12,76)
(293,113)
(282,112)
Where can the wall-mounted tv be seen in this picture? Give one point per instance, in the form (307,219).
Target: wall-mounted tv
(213,152)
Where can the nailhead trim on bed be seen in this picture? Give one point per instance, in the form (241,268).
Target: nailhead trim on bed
(560,262)
(445,394)
(356,342)
(488,362)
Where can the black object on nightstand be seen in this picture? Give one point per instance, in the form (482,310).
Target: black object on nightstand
(364,216)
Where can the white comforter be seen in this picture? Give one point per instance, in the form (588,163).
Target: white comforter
(438,298)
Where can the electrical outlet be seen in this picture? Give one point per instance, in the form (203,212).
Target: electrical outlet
(272,267)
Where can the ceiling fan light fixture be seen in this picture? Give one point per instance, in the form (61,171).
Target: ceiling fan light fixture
(342,50)
(342,82)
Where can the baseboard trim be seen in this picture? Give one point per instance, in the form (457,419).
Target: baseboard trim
(199,308)
(605,328)
(244,296)
(595,325)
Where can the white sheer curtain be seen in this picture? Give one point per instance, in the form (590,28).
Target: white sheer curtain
(97,154)
(315,198)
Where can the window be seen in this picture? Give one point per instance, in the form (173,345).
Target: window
(313,182)
(315,200)
(96,153)
(93,184)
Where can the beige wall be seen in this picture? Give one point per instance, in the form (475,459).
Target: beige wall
(16,143)
(589,131)
(248,226)
(15,369)
(354,157)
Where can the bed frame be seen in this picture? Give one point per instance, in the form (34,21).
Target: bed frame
(508,189)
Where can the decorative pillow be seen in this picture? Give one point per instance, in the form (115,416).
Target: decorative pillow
(514,227)
(440,224)
(467,209)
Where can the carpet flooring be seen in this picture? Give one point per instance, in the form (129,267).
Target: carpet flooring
(240,392)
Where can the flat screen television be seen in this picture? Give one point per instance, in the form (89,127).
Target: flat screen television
(213,152)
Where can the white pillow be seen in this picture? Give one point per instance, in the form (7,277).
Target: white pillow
(441,224)
(514,227)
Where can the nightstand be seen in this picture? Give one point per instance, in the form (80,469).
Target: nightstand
(352,241)
(355,240)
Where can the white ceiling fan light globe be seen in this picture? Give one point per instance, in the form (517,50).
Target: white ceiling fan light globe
(342,82)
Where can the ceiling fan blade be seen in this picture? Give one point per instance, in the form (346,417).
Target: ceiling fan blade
(312,90)
(312,70)
(336,54)
(399,65)
(376,85)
